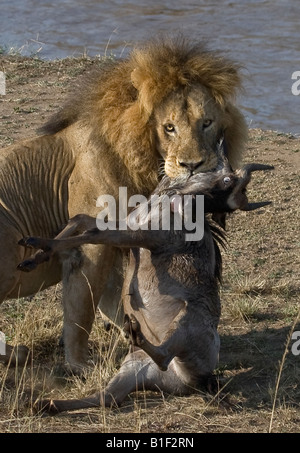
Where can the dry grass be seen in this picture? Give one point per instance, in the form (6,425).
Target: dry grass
(260,298)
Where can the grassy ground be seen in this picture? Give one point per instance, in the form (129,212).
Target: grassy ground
(260,299)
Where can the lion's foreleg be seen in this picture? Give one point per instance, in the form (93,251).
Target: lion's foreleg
(84,279)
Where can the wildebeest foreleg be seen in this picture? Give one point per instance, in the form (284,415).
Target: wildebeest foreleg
(90,234)
(49,247)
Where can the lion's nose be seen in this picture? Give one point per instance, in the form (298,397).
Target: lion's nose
(191,166)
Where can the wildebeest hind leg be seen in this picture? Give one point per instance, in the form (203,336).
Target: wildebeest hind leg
(138,372)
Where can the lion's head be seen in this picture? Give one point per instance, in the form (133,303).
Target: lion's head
(188,125)
(170,100)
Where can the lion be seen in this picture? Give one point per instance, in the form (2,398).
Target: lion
(162,109)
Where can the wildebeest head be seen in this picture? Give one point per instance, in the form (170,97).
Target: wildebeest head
(224,189)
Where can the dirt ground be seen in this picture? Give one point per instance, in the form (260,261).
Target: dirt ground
(260,300)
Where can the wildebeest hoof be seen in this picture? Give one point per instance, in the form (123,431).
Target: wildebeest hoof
(27,265)
(45,406)
(28,241)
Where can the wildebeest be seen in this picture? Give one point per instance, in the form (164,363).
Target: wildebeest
(171,289)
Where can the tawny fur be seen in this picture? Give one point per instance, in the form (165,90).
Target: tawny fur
(111,133)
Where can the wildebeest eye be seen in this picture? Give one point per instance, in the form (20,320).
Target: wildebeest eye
(226,180)
(206,123)
(169,128)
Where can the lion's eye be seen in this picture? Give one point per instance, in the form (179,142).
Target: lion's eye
(206,123)
(169,128)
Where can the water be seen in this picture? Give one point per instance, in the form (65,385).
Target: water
(264,36)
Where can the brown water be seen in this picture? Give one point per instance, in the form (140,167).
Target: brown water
(264,36)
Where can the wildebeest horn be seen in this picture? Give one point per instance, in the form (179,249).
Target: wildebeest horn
(249,168)
(246,172)
(252,206)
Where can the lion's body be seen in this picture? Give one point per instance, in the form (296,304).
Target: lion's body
(168,101)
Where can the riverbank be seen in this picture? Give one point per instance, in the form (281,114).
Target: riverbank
(260,298)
